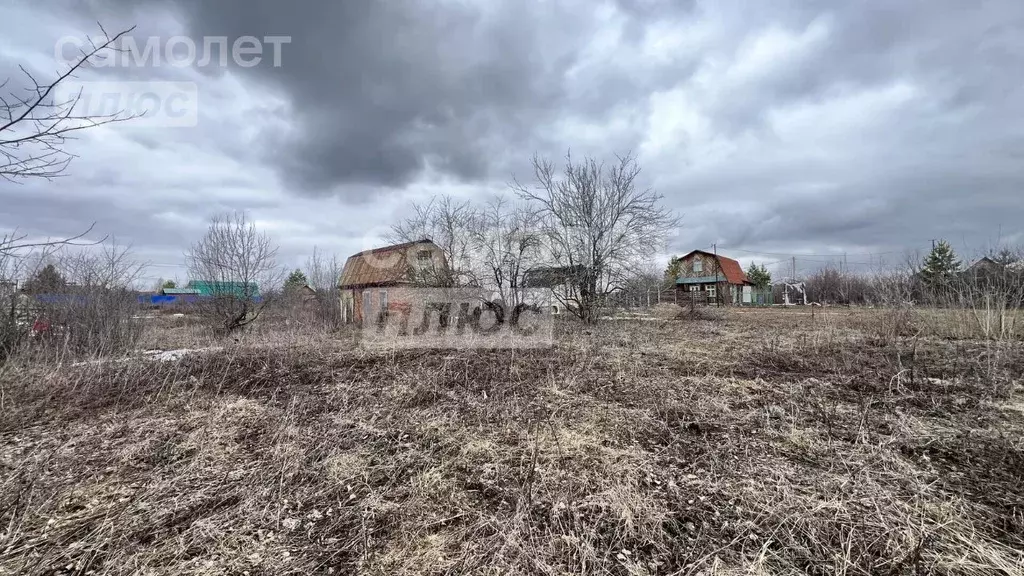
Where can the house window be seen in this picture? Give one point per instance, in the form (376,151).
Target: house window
(710,288)
(698,265)
(423,260)
(695,288)
(383,300)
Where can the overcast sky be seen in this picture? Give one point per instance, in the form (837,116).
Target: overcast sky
(774,128)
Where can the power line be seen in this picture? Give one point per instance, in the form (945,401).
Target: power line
(792,254)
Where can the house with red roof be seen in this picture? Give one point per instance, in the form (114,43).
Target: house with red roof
(707,278)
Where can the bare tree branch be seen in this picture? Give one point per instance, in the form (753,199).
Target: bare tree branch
(35,127)
(12,245)
(598,225)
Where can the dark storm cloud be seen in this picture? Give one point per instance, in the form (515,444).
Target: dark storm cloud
(792,125)
(379,90)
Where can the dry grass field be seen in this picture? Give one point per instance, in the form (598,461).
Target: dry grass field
(870,442)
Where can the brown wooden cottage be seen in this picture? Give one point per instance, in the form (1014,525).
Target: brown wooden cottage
(377,280)
(707,278)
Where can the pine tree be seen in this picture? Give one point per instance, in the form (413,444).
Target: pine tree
(297,279)
(46,281)
(759,276)
(941,265)
(673,271)
(169,284)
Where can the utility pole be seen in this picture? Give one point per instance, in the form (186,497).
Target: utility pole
(794,269)
(718,301)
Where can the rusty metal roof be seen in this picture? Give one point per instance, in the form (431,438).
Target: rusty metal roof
(385,266)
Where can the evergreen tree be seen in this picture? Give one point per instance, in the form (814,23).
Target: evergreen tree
(169,284)
(297,279)
(759,276)
(673,271)
(46,281)
(941,265)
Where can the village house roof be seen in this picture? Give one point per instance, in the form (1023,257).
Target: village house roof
(730,268)
(552,276)
(984,263)
(224,288)
(384,266)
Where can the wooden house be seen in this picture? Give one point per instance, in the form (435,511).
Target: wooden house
(707,278)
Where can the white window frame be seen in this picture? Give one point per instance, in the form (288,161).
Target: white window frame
(698,264)
(712,290)
(695,288)
(383,297)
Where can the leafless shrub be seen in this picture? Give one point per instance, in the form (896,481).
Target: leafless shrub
(86,309)
(237,261)
(96,313)
(894,292)
(323,272)
(832,286)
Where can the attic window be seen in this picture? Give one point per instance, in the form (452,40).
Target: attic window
(698,265)
(423,255)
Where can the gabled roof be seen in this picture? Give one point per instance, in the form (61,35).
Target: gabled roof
(552,276)
(384,266)
(984,262)
(730,268)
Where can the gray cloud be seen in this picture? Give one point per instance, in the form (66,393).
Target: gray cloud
(783,127)
(379,90)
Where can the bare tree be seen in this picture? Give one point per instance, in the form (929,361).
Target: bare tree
(449,224)
(323,272)
(508,241)
(35,122)
(598,224)
(236,261)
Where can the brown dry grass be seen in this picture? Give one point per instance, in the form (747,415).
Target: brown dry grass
(748,442)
